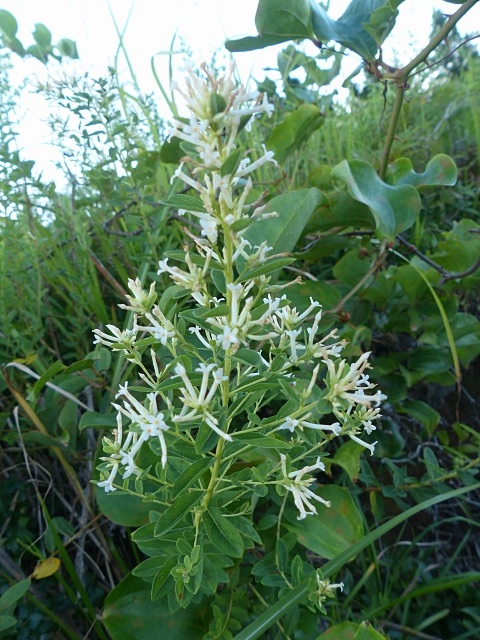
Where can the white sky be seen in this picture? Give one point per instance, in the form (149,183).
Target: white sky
(204,24)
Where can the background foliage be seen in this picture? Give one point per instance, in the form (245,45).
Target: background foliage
(406,289)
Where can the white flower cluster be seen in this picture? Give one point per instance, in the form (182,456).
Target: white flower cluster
(251,314)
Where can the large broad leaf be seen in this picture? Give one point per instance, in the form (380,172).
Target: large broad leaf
(394,208)
(334,529)
(283,230)
(294,131)
(121,508)
(130,614)
(362,28)
(440,171)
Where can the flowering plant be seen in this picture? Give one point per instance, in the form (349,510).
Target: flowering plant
(238,395)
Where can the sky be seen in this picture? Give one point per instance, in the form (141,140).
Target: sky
(149,28)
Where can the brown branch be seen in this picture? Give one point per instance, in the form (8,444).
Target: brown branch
(446,275)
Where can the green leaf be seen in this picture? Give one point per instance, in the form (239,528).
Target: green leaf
(341,210)
(260,441)
(441,170)
(184,201)
(130,614)
(232,162)
(13,594)
(362,28)
(367,632)
(176,512)
(294,131)
(171,151)
(334,529)
(37,52)
(50,373)
(80,365)
(42,37)
(191,475)
(96,420)
(423,412)
(222,533)
(68,48)
(283,231)
(394,208)
(348,457)
(8,24)
(7,622)
(342,631)
(162,576)
(124,509)
(269,266)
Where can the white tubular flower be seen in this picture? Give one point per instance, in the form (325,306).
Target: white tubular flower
(347,384)
(141,301)
(210,155)
(293,335)
(247,167)
(209,228)
(161,328)
(299,487)
(321,589)
(149,419)
(107,484)
(299,423)
(197,402)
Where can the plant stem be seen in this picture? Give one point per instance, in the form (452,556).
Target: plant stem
(211,485)
(392,126)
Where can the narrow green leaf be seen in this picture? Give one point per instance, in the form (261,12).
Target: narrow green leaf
(222,533)
(162,576)
(14,593)
(232,162)
(191,474)
(258,440)
(97,420)
(50,373)
(269,266)
(184,201)
(176,513)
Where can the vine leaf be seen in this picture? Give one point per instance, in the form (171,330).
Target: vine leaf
(295,130)
(394,208)
(362,28)
(441,170)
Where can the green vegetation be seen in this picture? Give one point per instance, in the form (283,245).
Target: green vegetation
(379,219)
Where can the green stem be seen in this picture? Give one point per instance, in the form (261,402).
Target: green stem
(392,126)
(211,485)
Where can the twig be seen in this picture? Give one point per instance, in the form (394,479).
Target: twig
(446,275)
